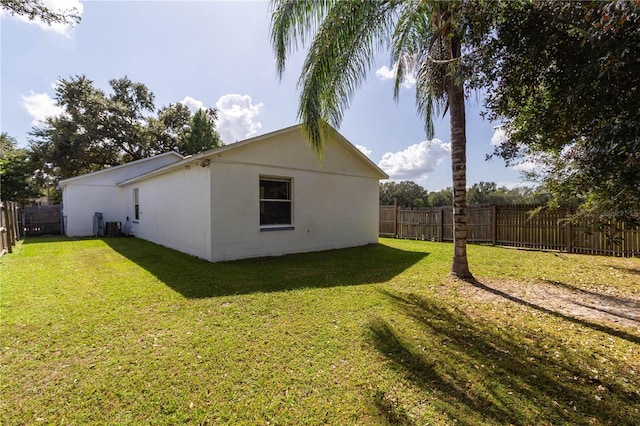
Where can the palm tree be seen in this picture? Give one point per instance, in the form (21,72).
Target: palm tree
(424,37)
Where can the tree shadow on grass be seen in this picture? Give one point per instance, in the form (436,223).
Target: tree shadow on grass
(595,326)
(478,371)
(197,278)
(631,303)
(629,270)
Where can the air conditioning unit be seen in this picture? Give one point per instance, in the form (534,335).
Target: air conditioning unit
(113,229)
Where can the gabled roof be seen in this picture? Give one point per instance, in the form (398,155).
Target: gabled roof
(178,157)
(204,155)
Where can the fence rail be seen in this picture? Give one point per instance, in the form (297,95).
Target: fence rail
(9,227)
(516,226)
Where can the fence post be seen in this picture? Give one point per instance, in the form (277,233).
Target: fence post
(16,223)
(568,232)
(494,225)
(5,213)
(440,225)
(11,225)
(2,231)
(395,217)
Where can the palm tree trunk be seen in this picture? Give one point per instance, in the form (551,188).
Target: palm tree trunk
(460,267)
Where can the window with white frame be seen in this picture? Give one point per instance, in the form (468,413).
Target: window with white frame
(136,204)
(276,204)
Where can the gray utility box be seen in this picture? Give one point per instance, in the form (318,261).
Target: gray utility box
(98,224)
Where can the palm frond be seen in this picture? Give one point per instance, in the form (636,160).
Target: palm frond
(345,38)
(406,41)
(338,60)
(419,45)
(293,22)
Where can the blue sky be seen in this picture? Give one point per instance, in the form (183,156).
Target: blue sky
(218,54)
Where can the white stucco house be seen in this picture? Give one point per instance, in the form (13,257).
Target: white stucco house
(263,196)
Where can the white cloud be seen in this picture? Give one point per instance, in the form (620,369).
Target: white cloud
(499,136)
(54,5)
(386,73)
(193,104)
(528,164)
(237,117)
(416,161)
(366,151)
(40,106)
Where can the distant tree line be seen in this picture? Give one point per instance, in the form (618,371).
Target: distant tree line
(411,195)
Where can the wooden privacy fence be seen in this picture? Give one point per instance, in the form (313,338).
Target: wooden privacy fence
(41,220)
(9,227)
(513,225)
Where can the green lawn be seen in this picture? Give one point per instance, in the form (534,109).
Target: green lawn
(121,331)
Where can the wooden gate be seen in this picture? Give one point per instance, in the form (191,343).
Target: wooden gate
(41,220)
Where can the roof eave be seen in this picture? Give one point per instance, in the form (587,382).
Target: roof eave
(62,183)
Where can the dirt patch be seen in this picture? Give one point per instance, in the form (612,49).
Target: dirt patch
(593,306)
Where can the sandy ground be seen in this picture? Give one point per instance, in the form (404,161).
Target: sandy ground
(590,306)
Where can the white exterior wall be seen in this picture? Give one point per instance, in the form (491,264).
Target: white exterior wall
(174,210)
(85,195)
(81,201)
(335,204)
(329,211)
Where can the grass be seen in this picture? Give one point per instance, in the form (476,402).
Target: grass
(121,331)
